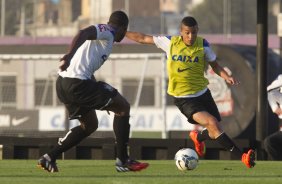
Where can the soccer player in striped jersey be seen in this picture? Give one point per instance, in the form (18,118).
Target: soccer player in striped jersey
(187,56)
(82,94)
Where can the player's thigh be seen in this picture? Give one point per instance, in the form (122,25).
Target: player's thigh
(206,119)
(92,95)
(197,110)
(191,106)
(210,105)
(97,95)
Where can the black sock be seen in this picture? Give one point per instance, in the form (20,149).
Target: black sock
(203,135)
(72,138)
(228,144)
(122,130)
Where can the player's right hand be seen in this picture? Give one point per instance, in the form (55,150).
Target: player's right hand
(65,62)
(63,65)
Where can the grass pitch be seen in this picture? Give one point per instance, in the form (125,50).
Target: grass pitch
(159,172)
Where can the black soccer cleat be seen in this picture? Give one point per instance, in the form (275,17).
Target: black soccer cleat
(47,165)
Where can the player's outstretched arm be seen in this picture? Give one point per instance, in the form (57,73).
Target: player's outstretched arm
(222,73)
(140,37)
(89,33)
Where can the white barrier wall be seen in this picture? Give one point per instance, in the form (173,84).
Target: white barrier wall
(144,119)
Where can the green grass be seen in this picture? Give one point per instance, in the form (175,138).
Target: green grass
(159,172)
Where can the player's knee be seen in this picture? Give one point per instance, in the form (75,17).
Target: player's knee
(124,109)
(212,123)
(89,129)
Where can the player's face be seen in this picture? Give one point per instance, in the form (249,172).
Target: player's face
(120,33)
(189,34)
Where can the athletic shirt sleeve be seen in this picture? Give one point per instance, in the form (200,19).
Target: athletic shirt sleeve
(162,42)
(277,83)
(210,56)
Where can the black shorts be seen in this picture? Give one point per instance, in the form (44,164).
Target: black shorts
(81,96)
(189,106)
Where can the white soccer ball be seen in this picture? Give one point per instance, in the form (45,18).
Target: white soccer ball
(186,159)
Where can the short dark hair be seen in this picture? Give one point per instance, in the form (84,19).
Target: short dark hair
(118,18)
(189,21)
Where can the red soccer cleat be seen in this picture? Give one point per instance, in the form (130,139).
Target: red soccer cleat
(249,158)
(200,147)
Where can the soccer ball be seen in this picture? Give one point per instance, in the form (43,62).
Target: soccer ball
(186,159)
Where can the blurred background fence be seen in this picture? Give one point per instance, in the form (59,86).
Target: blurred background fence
(29,105)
